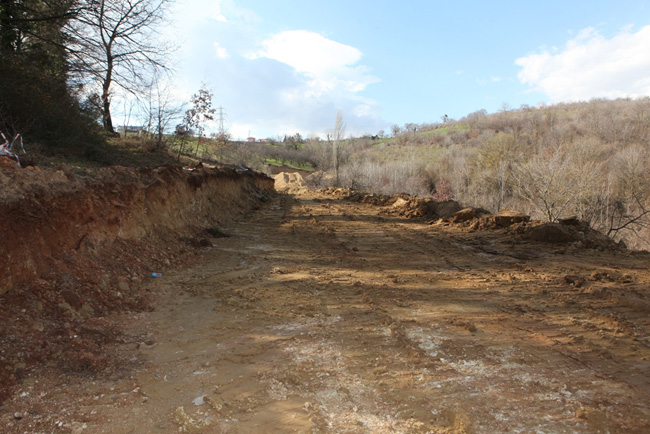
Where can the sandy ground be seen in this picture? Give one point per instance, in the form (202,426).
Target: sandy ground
(321,315)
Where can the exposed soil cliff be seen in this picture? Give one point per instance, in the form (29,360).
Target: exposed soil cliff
(74,248)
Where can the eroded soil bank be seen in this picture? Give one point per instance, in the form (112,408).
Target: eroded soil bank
(321,314)
(75,249)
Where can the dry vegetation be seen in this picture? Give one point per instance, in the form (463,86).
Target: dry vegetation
(587,160)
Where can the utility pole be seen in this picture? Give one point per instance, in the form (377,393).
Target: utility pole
(221,115)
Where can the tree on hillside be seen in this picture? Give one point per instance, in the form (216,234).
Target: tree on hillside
(293,142)
(36,96)
(336,138)
(200,113)
(628,202)
(160,110)
(115,44)
(554,182)
(221,141)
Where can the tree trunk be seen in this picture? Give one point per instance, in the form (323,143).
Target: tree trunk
(106,98)
(106,116)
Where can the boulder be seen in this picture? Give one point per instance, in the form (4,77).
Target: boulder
(507,218)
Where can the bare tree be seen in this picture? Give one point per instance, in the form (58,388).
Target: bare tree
(221,141)
(115,44)
(556,182)
(628,206)
(200,113)
(337,136)
(160,110)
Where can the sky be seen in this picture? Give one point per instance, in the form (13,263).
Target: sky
(286,66)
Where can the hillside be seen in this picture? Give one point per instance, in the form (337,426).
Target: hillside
(589,160)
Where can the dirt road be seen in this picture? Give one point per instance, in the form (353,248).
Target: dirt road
(322,315)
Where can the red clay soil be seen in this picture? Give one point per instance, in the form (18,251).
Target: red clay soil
(76,249)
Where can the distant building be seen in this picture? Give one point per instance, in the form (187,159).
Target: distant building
(251,139)
(125,130)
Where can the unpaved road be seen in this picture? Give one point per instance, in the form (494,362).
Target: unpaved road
(321,315)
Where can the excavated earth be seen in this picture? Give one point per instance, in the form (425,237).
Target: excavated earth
(321,311)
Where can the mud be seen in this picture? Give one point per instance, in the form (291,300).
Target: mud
(321,314)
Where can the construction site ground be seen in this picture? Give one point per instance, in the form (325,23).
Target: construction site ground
(323,315)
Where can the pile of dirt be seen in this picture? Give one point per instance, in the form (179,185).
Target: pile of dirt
(286,182)
(576,233)
(481,219)
(78,246)
(399,204)
(569,231)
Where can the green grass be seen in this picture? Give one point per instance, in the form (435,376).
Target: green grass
(293,164)
(445,130)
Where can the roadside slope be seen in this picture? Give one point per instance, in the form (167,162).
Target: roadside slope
(77,248)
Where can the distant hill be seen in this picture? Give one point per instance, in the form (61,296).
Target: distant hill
(587,159)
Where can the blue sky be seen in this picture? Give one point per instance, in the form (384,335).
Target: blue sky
(283,66)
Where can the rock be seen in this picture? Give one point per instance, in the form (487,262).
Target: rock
(574,280)
(68,311)
(86,311)
(123,286)
(464,215)
(507,218)
(468,214)
(400,203)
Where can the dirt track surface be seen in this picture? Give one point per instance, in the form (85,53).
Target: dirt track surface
(323,315)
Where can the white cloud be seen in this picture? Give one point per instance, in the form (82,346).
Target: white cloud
(330,65)
(295,81)
(222,53)
(591,66)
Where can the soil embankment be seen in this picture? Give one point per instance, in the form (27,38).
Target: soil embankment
(49,216)
(75,248)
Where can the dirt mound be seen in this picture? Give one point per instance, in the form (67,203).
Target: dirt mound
(506,218)
(566,231)
(289,182)
(573,231)
(551,233)
(467,214)
(78,246)
(399,204)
